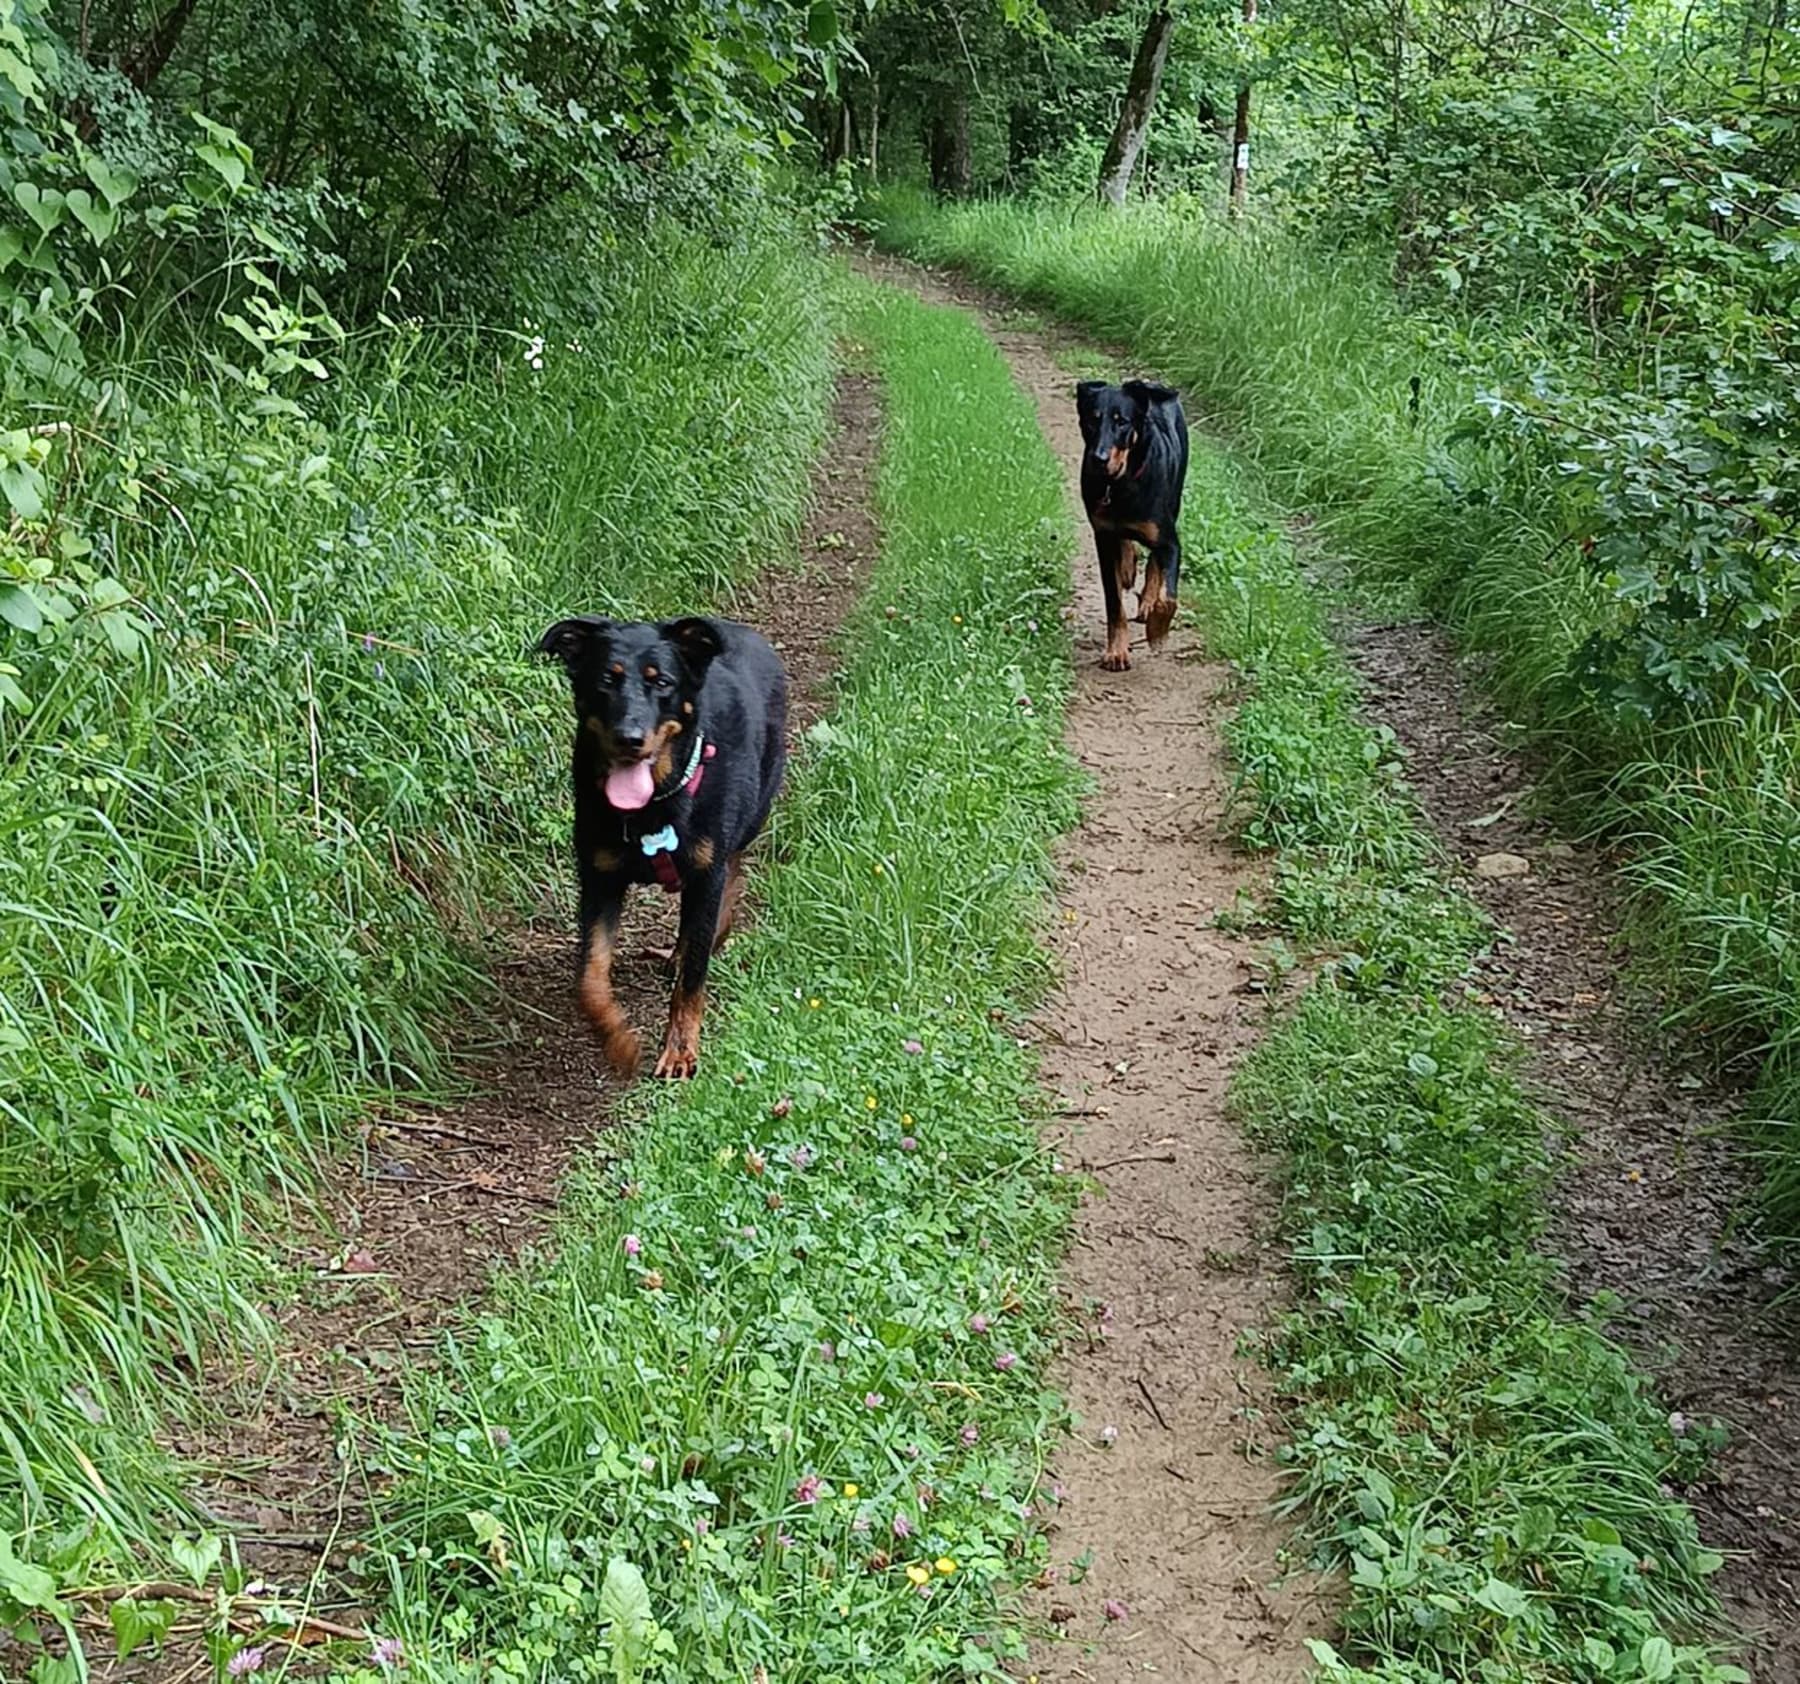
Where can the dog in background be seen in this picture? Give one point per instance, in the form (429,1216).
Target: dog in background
(1132,473)
(680,747)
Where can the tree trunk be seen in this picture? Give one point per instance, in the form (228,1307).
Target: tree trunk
(145,63)
(874,128)
(952,167)
(1240,131)
(1140,100)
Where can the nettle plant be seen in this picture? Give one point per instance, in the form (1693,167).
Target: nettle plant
(91,260)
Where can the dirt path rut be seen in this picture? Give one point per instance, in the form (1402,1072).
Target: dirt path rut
(409,1229)
(1166,1553)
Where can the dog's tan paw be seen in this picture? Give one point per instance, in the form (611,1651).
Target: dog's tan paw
(677,1064)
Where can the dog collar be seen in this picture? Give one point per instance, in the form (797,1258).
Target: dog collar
(659,846)
(689,781)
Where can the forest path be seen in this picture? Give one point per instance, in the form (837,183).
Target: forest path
(1170,1522)
(437,1199)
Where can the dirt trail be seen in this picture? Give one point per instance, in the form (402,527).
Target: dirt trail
(435,1200)
(1653,1202)
(1173,1261)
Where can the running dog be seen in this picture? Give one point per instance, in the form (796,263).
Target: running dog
(1132,473)
(680,747)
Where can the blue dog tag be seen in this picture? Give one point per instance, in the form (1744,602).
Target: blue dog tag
(663,842)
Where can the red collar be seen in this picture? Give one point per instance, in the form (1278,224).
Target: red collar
(662,859)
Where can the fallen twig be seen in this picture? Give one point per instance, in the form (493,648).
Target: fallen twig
(1139,1158)
(1155,1407)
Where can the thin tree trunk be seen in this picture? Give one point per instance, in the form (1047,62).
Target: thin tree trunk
(1134,115)
(146,63)
(952,165)
(1240,131)
(874,128)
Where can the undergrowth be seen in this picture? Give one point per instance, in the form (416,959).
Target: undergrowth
(1368,420)
(1478,1456)
(773,1408)
(252,846)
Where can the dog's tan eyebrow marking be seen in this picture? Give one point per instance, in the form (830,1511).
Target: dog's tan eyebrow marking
(687,707)
(649,672)
(618,669)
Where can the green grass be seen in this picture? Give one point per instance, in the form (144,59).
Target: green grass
(249,868)
(1307,363)
(1468,1444)
(788,1348)
(1474,1449)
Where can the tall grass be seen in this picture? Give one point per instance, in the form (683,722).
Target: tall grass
(786,1360)
(248,870)
(1309,365)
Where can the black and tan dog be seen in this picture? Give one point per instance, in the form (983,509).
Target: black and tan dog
(680,747)
(1132,474)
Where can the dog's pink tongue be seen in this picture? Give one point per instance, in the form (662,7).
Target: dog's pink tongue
(630,787)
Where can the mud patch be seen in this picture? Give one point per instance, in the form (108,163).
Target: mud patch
(1652,1203)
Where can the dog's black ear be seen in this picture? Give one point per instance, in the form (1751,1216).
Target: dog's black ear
(570,640)
(1086,411)
(699,641)
(1149,393)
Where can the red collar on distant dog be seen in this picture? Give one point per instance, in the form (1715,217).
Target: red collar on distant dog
(1106,496)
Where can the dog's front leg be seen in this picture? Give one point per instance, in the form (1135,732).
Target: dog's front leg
(602,900)
(1111,548)
(700,901)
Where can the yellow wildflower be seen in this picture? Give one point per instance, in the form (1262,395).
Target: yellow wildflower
(945,1565)
(852,1491)
(869,1102)
(919,1575)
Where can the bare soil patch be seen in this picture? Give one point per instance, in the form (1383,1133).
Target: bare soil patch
(408,1230)
(1165,1521)
(1654,1196)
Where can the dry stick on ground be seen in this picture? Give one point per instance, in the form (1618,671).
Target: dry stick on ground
(1137,1158)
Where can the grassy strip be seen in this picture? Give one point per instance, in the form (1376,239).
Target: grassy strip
(1310,361)
(247,869)
(1486,1465)
(785,1366)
